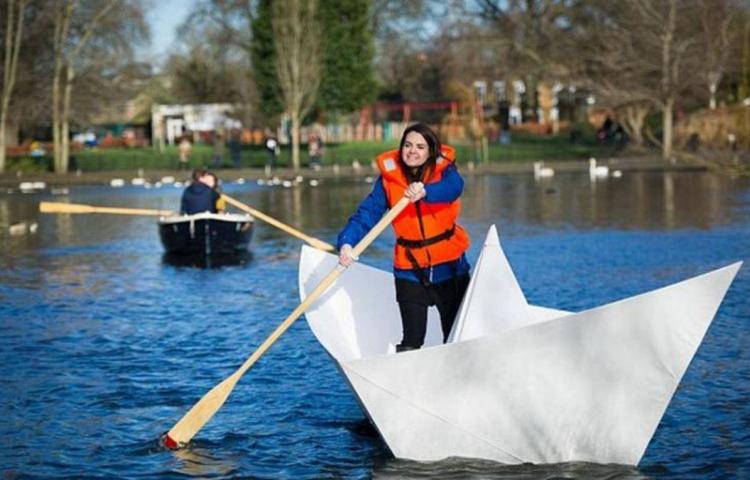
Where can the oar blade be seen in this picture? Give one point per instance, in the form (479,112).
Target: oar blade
(200,414)
(57,207)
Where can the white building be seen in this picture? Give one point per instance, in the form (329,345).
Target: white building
(170,122)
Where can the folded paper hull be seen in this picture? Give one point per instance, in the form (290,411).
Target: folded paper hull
(517,383)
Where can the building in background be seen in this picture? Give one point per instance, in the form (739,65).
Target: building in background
(202,121)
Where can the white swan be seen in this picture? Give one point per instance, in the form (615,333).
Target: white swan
(540,171)
(597,171)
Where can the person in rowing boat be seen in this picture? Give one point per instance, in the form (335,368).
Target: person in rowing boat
(429,266)
(202,195)
(221,204)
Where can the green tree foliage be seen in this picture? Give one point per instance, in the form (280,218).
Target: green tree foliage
(348,51)
(262,54)
(744,85)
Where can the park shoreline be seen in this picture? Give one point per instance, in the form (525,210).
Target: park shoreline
(624,164)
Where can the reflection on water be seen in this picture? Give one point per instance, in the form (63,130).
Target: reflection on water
(207,261)
(640,200)
(458,468)
(199,462)
(104,342)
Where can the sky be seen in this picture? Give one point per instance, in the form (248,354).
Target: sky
(164,16)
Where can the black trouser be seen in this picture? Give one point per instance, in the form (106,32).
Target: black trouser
(414,298)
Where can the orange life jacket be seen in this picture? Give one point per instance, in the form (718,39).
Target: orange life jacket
(426,233)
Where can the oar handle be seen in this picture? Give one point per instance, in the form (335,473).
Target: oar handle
(209,404)
(319,244)
(134,211)
(58,207)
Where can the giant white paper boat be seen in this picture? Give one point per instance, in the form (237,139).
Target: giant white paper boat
(516,383)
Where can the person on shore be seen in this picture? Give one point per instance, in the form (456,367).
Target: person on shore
(235,149)
(185,148)
(202,195)
(315,151)
(218,151)
(429,266)
(272,147)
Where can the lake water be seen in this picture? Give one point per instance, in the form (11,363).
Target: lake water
(104,345)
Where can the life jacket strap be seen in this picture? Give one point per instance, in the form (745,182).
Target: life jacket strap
(427,241)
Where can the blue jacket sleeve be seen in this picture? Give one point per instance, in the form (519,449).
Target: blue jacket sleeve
(372,209)
(448,189)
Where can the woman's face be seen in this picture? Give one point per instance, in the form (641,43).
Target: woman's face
(415,150)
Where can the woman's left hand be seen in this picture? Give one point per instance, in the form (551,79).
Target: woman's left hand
(415,192)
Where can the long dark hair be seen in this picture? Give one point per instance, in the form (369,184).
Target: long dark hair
(433,145)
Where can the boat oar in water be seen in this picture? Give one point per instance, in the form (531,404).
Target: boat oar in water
(211,402)
(56,207)
(319,244)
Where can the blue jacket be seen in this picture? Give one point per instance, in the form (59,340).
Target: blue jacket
(374,206)
(198,198)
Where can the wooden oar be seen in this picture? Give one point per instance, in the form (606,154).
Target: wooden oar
(319,244)
(55,207)
(207,406)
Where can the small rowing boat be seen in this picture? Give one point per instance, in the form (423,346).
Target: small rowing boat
(516,383)
(206,234)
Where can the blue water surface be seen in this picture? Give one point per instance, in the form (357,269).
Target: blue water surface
(104,344)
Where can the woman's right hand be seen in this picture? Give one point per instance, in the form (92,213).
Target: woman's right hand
(415,192)
(346,255)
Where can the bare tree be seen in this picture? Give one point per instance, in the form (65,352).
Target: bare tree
(471,118)
(632,117)
(13,34)
(531,31)
(604,57)
(223,22)
(296,34)
(205,75)
(387,17)
(715,19)
(468,52)
(87,34)
(640,53)
(665,34)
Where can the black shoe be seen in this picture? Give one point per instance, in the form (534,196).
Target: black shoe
(405,348)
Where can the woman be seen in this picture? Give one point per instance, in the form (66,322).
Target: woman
(429,266)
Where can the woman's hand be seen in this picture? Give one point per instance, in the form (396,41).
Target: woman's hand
(346,255)
(415,192)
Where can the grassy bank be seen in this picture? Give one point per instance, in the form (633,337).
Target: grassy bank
(522,148)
